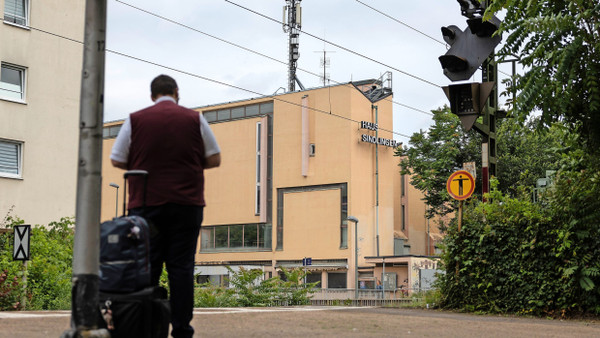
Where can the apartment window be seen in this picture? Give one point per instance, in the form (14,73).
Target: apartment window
(10,158)
(12,82)
(16,11)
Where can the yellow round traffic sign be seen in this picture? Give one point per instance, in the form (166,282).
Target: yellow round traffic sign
(460,185)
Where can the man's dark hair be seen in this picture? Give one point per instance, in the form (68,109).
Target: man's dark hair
(163,85)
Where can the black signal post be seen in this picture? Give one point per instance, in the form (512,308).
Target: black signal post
(471,49)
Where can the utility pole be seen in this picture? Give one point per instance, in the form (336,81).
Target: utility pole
(292,24)
(85,280)
(376,108)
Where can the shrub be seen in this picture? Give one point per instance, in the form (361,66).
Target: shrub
(246,289)
(48,271)
(517,256)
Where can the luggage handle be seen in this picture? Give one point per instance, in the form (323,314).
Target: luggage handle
(135,172)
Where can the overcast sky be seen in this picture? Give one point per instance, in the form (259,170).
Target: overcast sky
(350,24)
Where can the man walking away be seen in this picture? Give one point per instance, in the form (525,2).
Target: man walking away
(175,145)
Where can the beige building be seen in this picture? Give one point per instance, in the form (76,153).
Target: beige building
(294,168)
(39,107)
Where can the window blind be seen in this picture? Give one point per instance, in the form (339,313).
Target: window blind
(9,158)
(14,11)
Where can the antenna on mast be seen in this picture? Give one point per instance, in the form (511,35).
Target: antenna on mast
(325,63)
(292,22)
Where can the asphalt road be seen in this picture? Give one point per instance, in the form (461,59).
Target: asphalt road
(328,322)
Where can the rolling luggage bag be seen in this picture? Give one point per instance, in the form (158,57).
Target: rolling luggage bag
(144,313)
(130,307)
(125,249)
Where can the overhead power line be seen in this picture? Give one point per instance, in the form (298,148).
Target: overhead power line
(252,51)
(402,23)
(414,29)
(339,46)
(212,80)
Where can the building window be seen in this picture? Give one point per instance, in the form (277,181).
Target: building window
(344,224)
(314,277)
(16,11)
(210,116)
(111,132)
(224,114)
(252,110)
(402,185)
(336,280)
(239,237)
(10,158)
(229,114)
(213,280)
(12,83)
(403,218)
(258,169)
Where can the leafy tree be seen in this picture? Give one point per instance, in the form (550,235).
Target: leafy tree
(558,42)
(525,152)
(294,292)
(435,154)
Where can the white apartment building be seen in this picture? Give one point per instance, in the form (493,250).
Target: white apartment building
(39,107)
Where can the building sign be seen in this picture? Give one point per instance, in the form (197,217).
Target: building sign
(376,140)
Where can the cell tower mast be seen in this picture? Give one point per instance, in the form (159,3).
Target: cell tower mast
(292,22)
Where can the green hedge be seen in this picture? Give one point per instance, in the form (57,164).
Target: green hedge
(48,272)
(515,256)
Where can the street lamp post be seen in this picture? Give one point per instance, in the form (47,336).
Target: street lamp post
(355,220)
(116,186)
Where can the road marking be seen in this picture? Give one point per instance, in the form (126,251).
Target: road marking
(197,311)
(233,310)
(17,314)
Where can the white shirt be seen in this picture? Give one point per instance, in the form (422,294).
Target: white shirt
(120,150)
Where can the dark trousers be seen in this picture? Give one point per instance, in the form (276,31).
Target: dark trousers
(174,237)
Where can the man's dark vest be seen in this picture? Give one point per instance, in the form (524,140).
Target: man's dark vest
(166,142)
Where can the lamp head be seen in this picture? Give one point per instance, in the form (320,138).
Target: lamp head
(353,219)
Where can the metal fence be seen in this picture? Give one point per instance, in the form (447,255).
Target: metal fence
(364,294)
(363,302)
